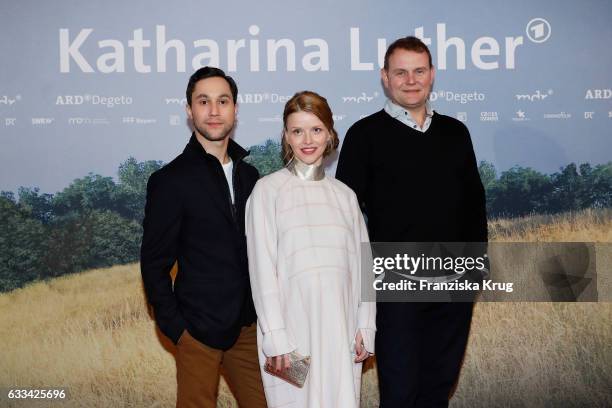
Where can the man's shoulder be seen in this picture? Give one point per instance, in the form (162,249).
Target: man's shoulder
(361,130)
(173,168)
(374,119)
(449,121)
(172,173)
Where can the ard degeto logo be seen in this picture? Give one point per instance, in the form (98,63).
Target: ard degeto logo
(458,97)
(108,101)
(538,30)
(265,97)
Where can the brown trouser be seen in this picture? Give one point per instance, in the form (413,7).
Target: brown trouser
(198,368)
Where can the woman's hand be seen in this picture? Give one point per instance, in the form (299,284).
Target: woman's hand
(279,363)
(360,351)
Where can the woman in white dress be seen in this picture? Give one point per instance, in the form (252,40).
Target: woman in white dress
(304,234)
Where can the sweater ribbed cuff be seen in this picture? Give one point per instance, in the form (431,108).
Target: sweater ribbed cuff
(276,343)
(368,336)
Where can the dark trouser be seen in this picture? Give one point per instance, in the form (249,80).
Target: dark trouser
(198,367)
(419,351)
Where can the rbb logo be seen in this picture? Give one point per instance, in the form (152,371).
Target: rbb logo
(69,100)
(598,94)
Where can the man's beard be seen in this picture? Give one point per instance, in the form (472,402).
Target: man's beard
(211,138)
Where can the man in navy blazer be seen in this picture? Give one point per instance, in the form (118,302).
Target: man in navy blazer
(194,216)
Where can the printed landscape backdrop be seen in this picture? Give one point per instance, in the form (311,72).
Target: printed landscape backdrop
(92,101)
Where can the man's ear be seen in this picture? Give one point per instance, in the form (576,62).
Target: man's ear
(384,75)
(188,111)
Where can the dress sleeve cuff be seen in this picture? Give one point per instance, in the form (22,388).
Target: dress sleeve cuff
(368,336)
(276,343)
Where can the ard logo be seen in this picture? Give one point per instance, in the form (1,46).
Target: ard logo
(598,94)
(250,98)
(69,100)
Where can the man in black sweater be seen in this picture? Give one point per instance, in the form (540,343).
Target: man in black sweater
(194,216)
(414,172)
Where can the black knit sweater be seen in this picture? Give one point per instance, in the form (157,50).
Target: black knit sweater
(414,186)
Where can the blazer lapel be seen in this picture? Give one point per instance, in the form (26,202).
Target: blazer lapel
(212,186)
(210,182)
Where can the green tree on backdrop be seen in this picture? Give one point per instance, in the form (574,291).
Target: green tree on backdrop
(266,157)
(97,221)
(94,222)
(522,190)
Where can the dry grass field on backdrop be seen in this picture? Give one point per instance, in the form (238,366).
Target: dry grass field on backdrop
(91,333)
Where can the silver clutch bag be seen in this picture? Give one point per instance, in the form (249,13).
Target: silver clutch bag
(296,374)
